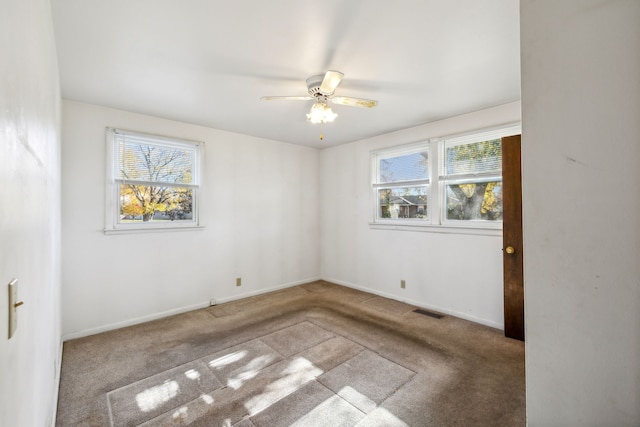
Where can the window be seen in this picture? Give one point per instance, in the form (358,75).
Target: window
(466,192)
(472,180)
(152,181)
(401,184)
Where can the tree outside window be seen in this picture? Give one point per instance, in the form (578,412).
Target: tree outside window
(166,167)
(473,181)
(156,179)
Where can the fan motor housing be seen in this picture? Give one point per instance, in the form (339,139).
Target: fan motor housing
(313,86)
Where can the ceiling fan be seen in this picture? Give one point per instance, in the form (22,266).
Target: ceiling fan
(321,88)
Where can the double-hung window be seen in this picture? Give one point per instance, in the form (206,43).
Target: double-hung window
(152,182)
(447,182)
(471,181)
(401,183)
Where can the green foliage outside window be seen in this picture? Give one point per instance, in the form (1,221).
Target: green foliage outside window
(475,199)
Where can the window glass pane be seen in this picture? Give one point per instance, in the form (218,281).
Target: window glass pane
(474,201)
(408,167)
(142,203)
(148,162)
(478,157)
(406,202)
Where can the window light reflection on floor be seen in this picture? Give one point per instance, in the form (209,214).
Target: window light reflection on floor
(237,381)
(227,359)
(357,399)
(333,409)
(153,397)
(192,374)
(180,413)
(248,371)
(260,362)
(206,398)
(297,373)
(340,409)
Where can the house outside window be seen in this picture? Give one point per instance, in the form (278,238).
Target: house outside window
(401,183)
(152,182)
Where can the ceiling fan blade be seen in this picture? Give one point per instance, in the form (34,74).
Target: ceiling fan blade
(354,102)
(330,82)
(286,98)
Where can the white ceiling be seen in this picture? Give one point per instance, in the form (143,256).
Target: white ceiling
(208,62)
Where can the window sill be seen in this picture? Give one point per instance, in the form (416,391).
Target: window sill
(138,230)
(445,229)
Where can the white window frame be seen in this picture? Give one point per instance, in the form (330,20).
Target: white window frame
(436,196)
(379,155)
(113,182)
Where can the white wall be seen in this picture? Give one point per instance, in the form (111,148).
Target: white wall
(459,274)
(259,208)
(581,148)
(29,213)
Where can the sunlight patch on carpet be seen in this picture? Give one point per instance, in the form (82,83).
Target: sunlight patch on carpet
(192,374)
(298,372)
(227,359)
(382,417)
(331,381)
(249,371)
(153,397)
(332,412)
(180,414)
(165,392)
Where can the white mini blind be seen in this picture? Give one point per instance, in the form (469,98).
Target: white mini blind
(473,160)
(152,182)
(148,159)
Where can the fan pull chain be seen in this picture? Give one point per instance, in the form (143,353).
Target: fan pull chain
(321,135)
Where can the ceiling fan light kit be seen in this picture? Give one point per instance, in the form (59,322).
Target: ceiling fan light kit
(321,89)
(321,113)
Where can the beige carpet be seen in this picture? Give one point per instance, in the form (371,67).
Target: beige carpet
(314,355)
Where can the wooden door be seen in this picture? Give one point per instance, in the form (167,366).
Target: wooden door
(512,238)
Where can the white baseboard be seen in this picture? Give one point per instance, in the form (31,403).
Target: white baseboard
(160,315)
(420,304)
(266,290)
(154,316)
(134,321)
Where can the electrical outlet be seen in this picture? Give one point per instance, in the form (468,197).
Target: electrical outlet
(213,301)
(238,281)
(403,284)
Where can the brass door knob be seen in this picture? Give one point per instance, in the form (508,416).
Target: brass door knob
(510,250)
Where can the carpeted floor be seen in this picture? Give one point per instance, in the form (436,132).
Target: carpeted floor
(317,354)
